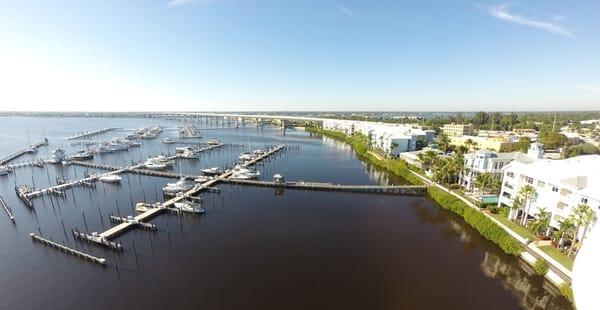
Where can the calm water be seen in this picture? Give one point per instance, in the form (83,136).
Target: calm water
(254,248)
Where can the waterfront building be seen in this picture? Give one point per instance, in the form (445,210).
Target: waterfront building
(560,185)
(495,143)
(486,161)
(453,130)
(393,139)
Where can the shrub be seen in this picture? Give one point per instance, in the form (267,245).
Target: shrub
(495,210)
(540,267)
(565,290)
(454,186)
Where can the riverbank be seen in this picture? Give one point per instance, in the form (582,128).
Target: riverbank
(490,228)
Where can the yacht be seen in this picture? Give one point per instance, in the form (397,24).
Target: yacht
(189,155)
(82,155)
(183,149)
(201,179)
(4,170)
(58,156)
(246,156)
(143,207)
(31,150)
(211,171)
(104,148)
(132,144)
(243,173)
(131,136)
(188,206)
(183,185)
(111,178)
(168,141)
(213,142)
(154,166)
(160,160)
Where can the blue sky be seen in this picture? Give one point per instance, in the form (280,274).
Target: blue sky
(299,55)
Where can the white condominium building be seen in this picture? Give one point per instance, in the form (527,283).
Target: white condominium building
(391,138)
(485,161)
(560,185)
(454,130)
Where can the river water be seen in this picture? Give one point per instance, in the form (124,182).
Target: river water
(254,248)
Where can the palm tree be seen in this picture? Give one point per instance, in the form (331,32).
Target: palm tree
(582,216)
(527,193)
(565,230)
(469,143)
(428,159)
(541,223)
(484,181)
(443,142)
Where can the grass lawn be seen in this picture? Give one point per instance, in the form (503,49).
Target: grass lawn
(560,257)
(522,231)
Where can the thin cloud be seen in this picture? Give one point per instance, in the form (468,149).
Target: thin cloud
(178,3)
(501,12)
(344,9)
(588,88)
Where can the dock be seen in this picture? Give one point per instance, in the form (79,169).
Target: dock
(23,151)
(66,249)
(90,133)
(410,190)
(6,209)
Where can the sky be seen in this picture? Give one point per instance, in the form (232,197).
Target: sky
(296,55)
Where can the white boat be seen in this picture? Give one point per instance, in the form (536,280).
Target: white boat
(211,171)
(183,149)
(155,166)
(190,207)
(183,185)
(131,136)
(246,157)
(243,173)
(189,155)
(160,160)
(201,179)
(58,156)
(82,155)
(111,178)
(4,170)
(168,141)
(143,207)
(31,150)
(213,142)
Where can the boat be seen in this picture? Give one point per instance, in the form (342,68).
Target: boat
(214,142)
(154,166)
(183,149)
(133,144)
(246,157)
(211,171)
(131,136)
(168,141)
(111,178)
(189,155)
(183,185)
(201,179)
(4,170)
(243,173)
(58,156)
(188,206)
(31,150)
(143,207)
(82,155)
(160,160)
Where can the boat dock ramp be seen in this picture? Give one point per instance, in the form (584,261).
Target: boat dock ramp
(27,150)
(90,133)
(7,209)
(413,190)
(66,249)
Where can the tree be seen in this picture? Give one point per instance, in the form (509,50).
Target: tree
(565,230)
(484,181)
(581,216)
(523,144)
(527,194)
(428,159)
(541,223)
(443,142)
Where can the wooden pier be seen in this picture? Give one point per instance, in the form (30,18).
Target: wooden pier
(7,209)
(66,249)
(90,133)
(411,190)
(22,152)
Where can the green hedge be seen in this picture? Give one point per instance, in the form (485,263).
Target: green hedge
(486,227)
(541,267)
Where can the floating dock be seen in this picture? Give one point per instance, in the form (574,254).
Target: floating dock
(66,249)
(412,190)
(7,209)
(22,152)
(90,133)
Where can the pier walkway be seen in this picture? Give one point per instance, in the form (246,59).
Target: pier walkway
(7,209)
(66,249)
(23,151)
(413,190)
(90,133)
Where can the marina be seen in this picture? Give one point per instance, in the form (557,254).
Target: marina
(66,249)
(7,209)
(90,133)
(27,150)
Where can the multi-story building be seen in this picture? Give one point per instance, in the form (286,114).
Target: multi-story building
(458,129)
(495,143)
(560,186)
(485,161)
(393,139)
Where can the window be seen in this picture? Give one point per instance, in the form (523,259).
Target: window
(510,174)
(584,200)
(529,180)
(554,189)
(541,184)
